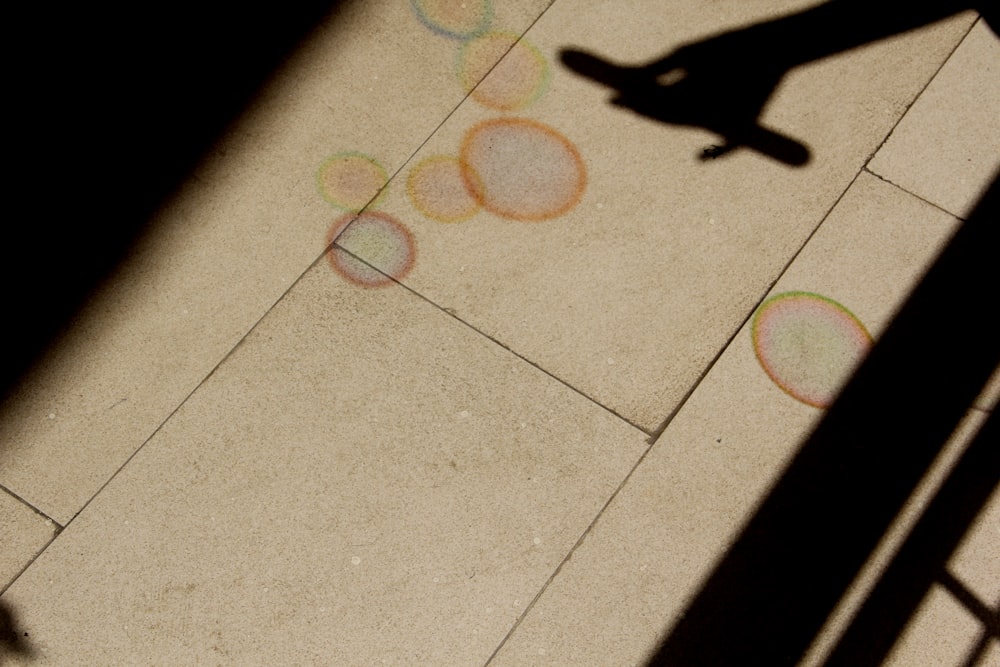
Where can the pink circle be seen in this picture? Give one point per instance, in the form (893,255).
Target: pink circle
(373,249)
(808,344)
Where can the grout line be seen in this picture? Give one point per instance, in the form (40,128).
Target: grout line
(501,345)
(666,422)
(55,533)
(864,168)
(31,561)
(921,93)
(569,556)
(34,509)
(899,187)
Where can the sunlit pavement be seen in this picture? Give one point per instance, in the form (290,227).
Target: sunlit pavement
(441,357)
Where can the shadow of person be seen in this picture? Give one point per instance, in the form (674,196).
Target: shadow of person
(701,86)
(723,83)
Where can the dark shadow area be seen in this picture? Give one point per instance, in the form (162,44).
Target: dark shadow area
(722,83)
(14,640)
(771,594)
(111,108)
(923,558)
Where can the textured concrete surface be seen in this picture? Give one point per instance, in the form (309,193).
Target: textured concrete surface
(439,357)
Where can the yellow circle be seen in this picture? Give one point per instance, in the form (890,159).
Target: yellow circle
(502,71)
(437,189)
(351,180)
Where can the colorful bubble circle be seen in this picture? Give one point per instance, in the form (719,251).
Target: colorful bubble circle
(460,19)
(437,189)
(385,244)
(519,71)
(808,344)
(522,169)
(351,180)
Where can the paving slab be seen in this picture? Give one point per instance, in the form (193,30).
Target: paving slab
(23,535)
(634,262)
(374,80)
(365,480)
(676,516)
(942,633)
(946,146)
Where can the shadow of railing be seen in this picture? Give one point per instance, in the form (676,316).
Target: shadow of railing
(771,594)
(773,591)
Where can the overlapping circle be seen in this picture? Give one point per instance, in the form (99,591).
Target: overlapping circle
(384,242)
(522,169)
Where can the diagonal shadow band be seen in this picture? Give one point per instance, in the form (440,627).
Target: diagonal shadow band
(923,558)
(774,589)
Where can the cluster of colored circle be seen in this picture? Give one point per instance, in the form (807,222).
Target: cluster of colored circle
(512,167)
(515,168)
(808,344)
(353,182)
(497,68)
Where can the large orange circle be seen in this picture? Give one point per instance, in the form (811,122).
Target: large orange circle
(522,169)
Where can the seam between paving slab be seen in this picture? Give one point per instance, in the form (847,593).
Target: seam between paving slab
(58,529)
(655,436)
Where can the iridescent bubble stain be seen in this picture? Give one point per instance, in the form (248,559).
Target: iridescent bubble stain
(437,189)
(519,71)
(458,19)
(808,344)
(522,169)
(351,180)
(514,168)
(382,240)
